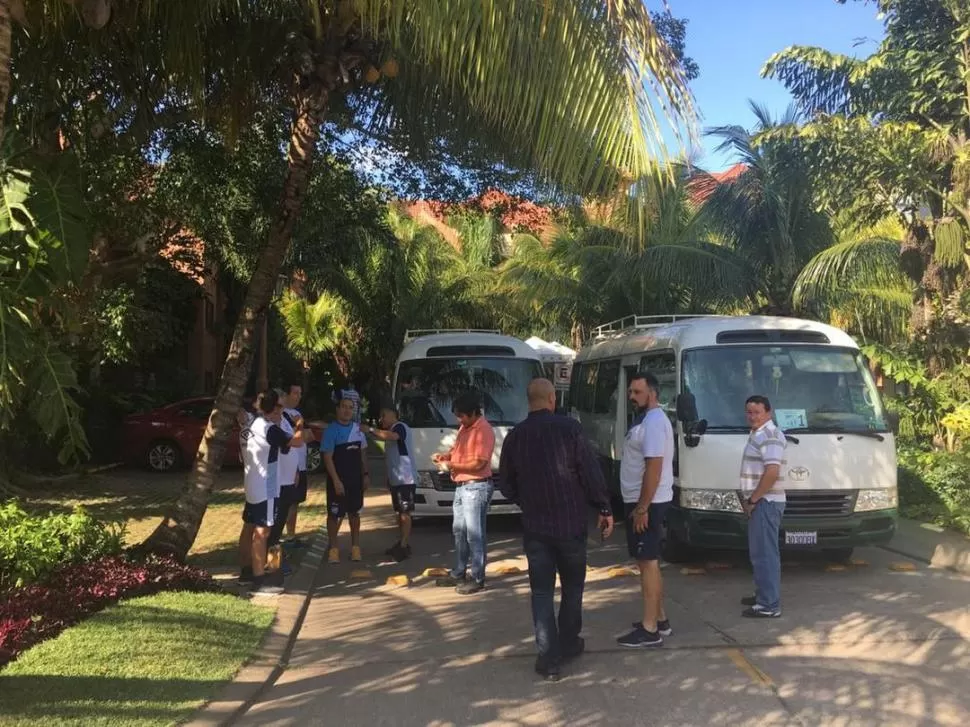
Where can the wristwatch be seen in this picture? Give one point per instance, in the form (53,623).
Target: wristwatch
(640,510)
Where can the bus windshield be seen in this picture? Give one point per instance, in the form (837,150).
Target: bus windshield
(811,388)
(427,388)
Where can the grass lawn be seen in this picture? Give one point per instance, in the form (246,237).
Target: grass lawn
(147,661)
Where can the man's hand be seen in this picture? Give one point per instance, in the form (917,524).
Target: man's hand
(606,526)
(748,507)
(641,520)
(440,458)
(338,487)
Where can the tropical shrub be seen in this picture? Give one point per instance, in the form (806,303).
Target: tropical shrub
(32,547)
(38,612)
(935,485)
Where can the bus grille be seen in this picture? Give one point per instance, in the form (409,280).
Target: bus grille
(819,503)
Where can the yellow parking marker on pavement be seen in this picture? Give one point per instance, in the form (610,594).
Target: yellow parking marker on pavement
(835,567)
(508,570)
(858,562)
(693,571)
(435,572)
(902,567)
(620,572)
(400,581)
(754,673)
(361,574)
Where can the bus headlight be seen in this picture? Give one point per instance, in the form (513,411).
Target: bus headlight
(723,500)
(424,481)
(884,498)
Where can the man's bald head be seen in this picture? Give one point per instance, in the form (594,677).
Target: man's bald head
(542,395)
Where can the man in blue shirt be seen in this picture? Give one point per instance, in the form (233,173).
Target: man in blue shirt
(344,451)
(402,477)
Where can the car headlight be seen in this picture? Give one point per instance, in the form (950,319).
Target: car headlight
(424,481)
(884,498)
(723,500)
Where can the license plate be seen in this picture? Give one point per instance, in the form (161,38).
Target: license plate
(801,537)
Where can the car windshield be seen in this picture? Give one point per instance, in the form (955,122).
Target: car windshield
(427,388)
(820,388)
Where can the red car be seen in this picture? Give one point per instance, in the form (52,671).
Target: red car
(169,437)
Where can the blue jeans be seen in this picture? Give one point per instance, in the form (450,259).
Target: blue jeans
(468,524)
(764,551)
(547,556)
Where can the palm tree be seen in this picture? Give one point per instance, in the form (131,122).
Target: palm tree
(312,329)
(467,66)
(767,215)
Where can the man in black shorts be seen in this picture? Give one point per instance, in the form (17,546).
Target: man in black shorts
(344,450)
(647,486)
(402,477)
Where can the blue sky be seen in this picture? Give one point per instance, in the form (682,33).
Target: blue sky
(731,40)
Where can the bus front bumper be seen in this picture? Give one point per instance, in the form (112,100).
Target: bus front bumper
(715,530)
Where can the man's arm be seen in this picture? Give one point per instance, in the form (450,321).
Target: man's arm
(385,435)
(592,481)
(767,481)
(332,471)
(364,468)
(508,482)
(477,460)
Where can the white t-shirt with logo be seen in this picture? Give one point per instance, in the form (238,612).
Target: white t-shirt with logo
(295,414)
(650,436)
(289,458)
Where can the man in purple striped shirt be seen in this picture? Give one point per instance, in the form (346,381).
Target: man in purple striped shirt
(549,470)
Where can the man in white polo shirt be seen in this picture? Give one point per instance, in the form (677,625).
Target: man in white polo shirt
(647,487)
(763,499)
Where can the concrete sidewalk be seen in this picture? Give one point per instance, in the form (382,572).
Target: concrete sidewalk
(932,544)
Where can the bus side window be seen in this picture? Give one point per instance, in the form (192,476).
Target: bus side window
(664,367)
(582,387)
(607,381)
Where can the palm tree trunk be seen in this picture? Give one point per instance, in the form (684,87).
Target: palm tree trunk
(176,533)
(6,31)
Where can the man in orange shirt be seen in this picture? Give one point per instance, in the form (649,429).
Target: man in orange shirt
(470,464)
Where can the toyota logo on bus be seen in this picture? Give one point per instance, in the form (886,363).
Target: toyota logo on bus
(798,474)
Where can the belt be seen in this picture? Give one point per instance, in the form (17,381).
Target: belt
(473,482)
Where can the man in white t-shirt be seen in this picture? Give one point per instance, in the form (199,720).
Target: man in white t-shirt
(647,487)
(763,499)
(294,394)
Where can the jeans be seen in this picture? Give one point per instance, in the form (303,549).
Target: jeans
(547,556)
(764,551)
(468,525)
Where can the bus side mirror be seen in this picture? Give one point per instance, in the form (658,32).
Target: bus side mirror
(686,407)
(693,431)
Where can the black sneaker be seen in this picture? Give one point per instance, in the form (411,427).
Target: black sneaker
(245,576)
(641,639)
(663,627)
(469,587)
(449,581)
(263,587)
(393,549)
(547,670)
(749,601)
(401,552)
(757,611)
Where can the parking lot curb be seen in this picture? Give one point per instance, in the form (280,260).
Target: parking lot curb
(272,658)
(931,544)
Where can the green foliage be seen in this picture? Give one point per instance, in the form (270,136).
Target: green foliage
(44,244)
(935,486)
(32,546)
(312,329)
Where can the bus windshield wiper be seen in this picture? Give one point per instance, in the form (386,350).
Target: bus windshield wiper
(837,430)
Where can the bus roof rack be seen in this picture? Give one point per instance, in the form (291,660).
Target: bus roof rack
(410,335)
(634,323)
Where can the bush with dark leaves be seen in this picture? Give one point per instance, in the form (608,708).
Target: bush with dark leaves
(31,614)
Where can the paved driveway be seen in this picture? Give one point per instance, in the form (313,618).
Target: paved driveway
(865,645)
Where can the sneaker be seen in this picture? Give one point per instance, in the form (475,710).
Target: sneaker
(245,576)
(333,556)
(401,553)
(469,587)
(449,581)
(663,627)
(355,554)
(393,549)
(749,601)
(640,638)
(547,670)
(758,611)
(578,647)
(262,587)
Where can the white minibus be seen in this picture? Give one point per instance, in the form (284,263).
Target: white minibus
(434,368)
(840,477)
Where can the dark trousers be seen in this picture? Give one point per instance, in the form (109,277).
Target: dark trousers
(547,556)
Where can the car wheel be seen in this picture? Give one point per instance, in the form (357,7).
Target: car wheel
(163,456)
(314,460)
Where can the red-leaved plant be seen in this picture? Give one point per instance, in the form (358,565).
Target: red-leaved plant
(35,613)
